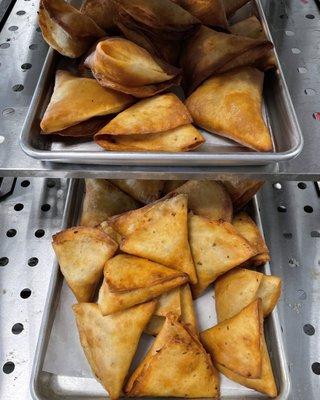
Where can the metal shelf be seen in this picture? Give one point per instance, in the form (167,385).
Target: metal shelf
(295,28)
(26,262)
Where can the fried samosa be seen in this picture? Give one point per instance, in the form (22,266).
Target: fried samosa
(159,19)
(82,253)
(231,6)
(216,247)
(130,280)
(145,191)
(207,198)
(242,190)
(66,29)
(249,230)
(236,342)
(101,11)
(158,232)
(102,200)
(75,99)
(188,315)
(176,366)
(124,66)
(170,186)
(230,105)
(110,342)
(210,52)
(209,12)
(239,287)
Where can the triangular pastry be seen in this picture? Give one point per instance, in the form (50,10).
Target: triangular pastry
(145,191)
(101,11)
(188,315)
(241,190)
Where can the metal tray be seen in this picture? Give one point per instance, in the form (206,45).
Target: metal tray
(58,345)
(278,109)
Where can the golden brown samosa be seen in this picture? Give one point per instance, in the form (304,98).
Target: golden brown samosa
(209,12)
(130,280)
(124,66)
(170,186)
(207,198)
(231,6)
(66,29)
(236,343)
(82,253)
(249,230)
(241,190)
(145,191)
(102,200)
(188,315)
(230,105)
(210,52)
(239,287)
(110,342)
(159,232)
(216,247)
(76,99)
(176,366)
(101,11)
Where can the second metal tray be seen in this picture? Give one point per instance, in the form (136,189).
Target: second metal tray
(60,370)
(279,114)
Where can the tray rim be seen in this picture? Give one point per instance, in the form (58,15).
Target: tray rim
(70,216)
(160,158)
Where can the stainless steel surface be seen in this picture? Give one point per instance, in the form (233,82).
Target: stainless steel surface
(292,236)
(296,40)
(60,384)
(217,151)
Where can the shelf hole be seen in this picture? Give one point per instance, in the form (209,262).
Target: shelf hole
(310,16)
(302,70)
(316,368)
(283,16)
(25,293)
(8,367)
(11,232)
(18,207)
(17,88)
(302,185)
(7,111)
(39,233)
(13,28)
(295,50)
(4,45)
(293,263)
(315,234)
(33,261)
(277,186)
(287,235)
(308,209)
(282,209)
(51,184)
(289,33)
(1,139)
(33,46)
(26,66)
(316,116)
(308,329)
(45,207)
(302,295)
(25,183)
(17,328)
(310,92)
(4,261)
(21,12)
(38,29)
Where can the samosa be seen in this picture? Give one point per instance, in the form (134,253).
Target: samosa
(176,366)
(230,105)
(110,342)
(170,186)
(130,280)
(239,287)
(145,191)
(76,99)
(66,29)
(207,198)
(236,343)
(241,190)
(231,6)
(82,253)
(216,247)
(159,232)
(188,315)
(249,230)
(102,200)
(101,11)
(122,65)
(210,52)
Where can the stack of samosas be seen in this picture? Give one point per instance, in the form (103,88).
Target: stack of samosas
(140,51)
(143,252)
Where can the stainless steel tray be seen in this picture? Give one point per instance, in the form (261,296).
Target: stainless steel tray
(279,113)
(58,346)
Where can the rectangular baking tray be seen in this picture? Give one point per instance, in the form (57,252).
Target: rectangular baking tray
(60,370)
(278,110)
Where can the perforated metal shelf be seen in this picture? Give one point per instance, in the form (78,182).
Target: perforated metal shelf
(296,30)
(32,213)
